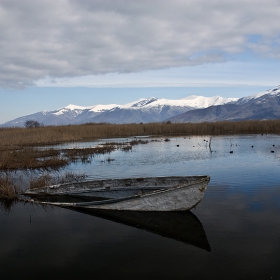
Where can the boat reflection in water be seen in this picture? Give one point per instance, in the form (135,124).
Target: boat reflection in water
(182,226)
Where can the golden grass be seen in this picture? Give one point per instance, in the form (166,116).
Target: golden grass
(8,191)
(49,135)
(31,158)
(17,145)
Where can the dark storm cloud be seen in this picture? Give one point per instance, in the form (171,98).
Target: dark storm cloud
(70,38)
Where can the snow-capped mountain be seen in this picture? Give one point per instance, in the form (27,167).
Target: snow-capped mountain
(157,110)
(70,114)
(143,110)
(265,105)
(192,101)
(259,96)
(261,106)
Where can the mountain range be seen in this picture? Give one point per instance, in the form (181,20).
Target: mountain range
(262,106)
(265,105)
(143,110)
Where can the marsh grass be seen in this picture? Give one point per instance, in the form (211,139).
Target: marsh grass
(32,158)
(85,153)
(126,148)
(47,179)
(137,142)
(8,190)
(50,135)
(18,145)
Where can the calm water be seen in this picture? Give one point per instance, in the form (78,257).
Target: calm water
(234,233)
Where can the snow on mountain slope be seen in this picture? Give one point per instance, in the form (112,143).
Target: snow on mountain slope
(71,114)
(191,101)
(156,110)
(70,108)
(139,103)
(143,110)
(271,92)
(204,102)
(261,106)
(102,108)
(80,109)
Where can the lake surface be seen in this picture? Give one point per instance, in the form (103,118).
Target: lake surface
(234,233)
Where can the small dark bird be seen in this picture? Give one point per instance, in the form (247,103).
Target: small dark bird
(177,145)
(231,152)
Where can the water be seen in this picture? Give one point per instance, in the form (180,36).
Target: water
(233,234)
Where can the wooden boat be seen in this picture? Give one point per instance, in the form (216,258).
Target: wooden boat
(175,193)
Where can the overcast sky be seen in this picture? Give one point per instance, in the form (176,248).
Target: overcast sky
(56,52)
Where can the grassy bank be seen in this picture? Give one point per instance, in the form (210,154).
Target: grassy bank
(49,135)
(13,158)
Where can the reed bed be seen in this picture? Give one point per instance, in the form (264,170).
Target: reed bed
(86,154)
(137,142)
(47,179)
(50,135)
(18,145)
(8,190)
(126,148)
(31,158)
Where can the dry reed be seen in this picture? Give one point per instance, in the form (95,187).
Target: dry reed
(47,179)
(126,148)
(17,144)
(49,135)
(8,191)
(30,158)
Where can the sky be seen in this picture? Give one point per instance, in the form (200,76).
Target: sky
(59,52)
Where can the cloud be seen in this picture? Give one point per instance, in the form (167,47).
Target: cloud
(72,38)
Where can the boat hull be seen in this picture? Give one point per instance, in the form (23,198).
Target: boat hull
(185,193)
(181,198)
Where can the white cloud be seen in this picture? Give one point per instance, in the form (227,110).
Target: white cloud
(71,38)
